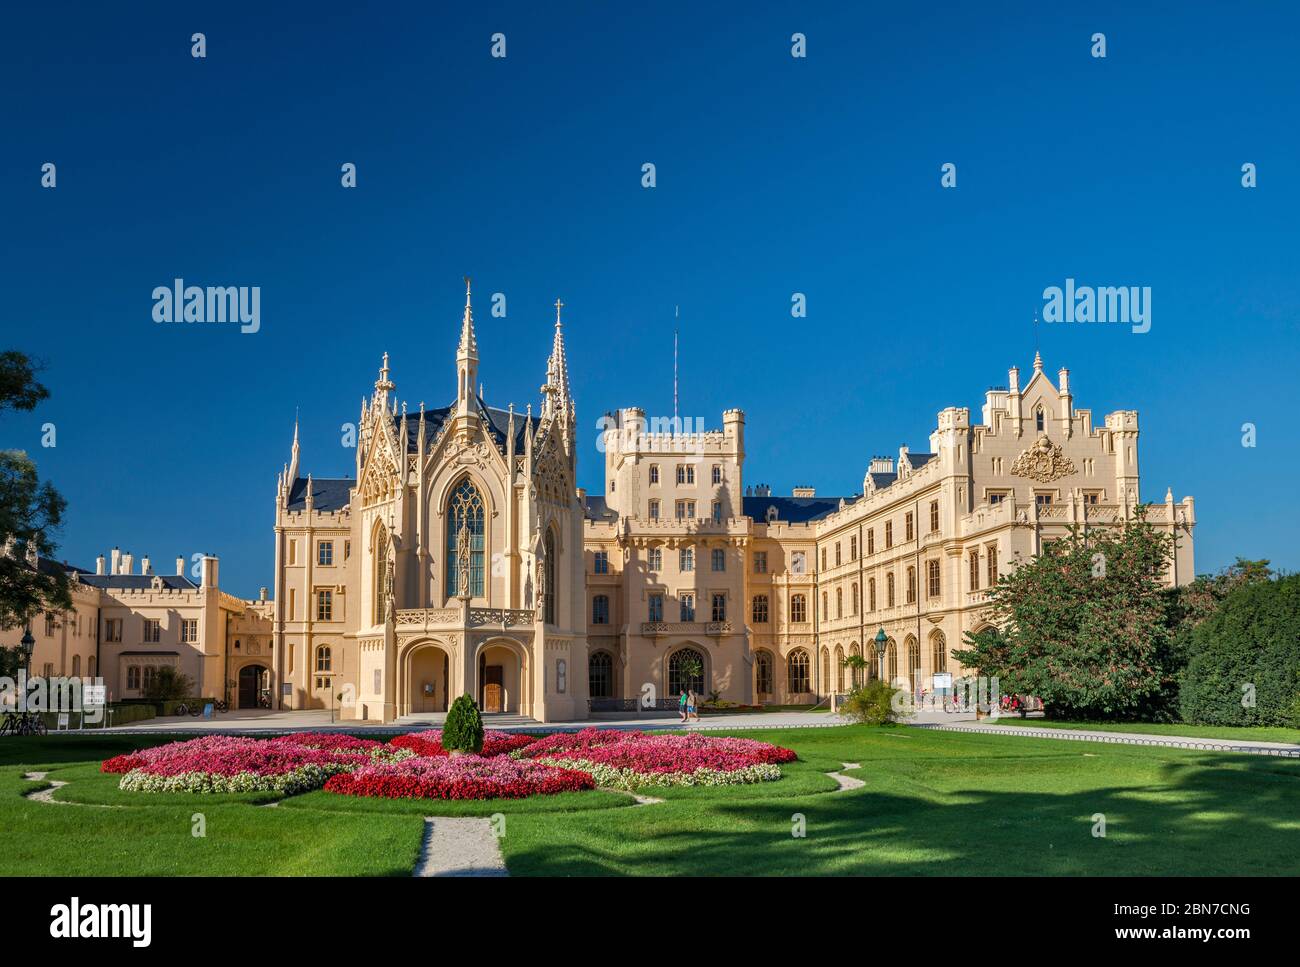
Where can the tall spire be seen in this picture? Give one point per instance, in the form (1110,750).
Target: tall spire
(383,385)
(291,473)
(468,343)
(557,371)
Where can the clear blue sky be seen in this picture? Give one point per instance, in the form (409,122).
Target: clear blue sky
(775,176)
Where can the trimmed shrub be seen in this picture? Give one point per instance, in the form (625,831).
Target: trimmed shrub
(463,730)
(871,704)
(1250,644)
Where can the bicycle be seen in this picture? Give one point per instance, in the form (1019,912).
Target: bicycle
(23,723)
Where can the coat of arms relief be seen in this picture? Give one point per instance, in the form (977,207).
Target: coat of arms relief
(1044,461)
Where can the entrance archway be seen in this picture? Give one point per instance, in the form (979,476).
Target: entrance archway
(501,676)
(254,686)
(429,676)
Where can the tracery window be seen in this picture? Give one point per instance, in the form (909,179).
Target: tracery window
(465,512)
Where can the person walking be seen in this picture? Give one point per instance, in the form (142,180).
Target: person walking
(682,705)
(692,706)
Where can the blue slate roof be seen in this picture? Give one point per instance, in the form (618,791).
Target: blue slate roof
(792,510)
(137,582)
(919,460)
(597,509)
(882,480)
(327,494)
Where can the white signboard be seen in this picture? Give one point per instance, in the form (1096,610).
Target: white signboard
(93,694)
(942,680)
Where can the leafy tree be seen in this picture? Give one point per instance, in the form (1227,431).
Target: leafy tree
(168,685)
(29,511)
(1083,624)
(1245,666)
(463,730)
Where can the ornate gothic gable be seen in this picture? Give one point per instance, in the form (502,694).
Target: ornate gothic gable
(1043,461)
(552,475)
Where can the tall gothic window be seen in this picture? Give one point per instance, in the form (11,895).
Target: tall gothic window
(548,579)
(465,511)
(381,573)
(763,673)
(600,674)
(685,671)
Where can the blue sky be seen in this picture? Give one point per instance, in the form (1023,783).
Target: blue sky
(775,175)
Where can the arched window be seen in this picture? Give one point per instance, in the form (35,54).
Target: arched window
(889,590)
(891,661)
(855,598)
(600,674)
(911,585)
(548,579)
(324,659)
(873,663)
(381,573)
(1039,418)
(913,661)
(826,667)
(763,673)
(839,602)
(90,666)
(856,650)
(938,651)
(465,516)
(839,669)
(685,671)
(797,671)
(871,594)
(798,608)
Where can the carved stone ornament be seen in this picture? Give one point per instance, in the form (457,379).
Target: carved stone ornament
(1043,461)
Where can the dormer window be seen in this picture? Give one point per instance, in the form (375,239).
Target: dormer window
(771,515)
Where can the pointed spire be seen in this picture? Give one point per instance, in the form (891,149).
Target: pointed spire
(1038,362)
(468,342)
(291,471)
(557,367)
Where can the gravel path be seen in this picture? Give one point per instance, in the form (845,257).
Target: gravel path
(459,846)
(847,782)
(1282,749)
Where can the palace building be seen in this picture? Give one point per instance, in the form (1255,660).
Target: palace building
(462,558)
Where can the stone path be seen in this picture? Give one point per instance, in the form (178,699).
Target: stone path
(47,794)
(847,782)
(459,846)
(1283,749)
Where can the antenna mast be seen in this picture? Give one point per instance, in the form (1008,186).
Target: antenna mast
(676,316)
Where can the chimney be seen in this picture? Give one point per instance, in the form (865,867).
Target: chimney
(804,492)
(261,594)
(128,562)
(99,564)
(144,565)
(180,566)
(881,465)
(208,571)
(115,558)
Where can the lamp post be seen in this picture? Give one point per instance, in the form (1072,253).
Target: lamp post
(28,644)
(881,639)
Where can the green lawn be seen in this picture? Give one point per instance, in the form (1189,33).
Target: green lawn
(934,803)
(1258,733)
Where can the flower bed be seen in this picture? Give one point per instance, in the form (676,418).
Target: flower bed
(461,777)
(626,760)
(429,743)
(217,763)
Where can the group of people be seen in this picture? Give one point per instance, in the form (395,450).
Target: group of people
(688,704)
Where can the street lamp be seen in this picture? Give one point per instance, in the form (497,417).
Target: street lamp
(28,644)
(881,639)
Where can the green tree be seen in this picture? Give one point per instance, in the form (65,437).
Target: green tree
(169,685)
(30,511)
(1083,624)
(1245,666)
(874,704)
(463,730)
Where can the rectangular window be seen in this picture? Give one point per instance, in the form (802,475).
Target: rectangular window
(600,562)
(853,548)
(934,517)
(719,559)
(871,540)
(717,474)
(325,553)
(838,560)
(889,590)
(656,607)
(909,525)
(975,570)
(347,550)
(656,559)
(1043,501)
(49,626)
(113,629)
(293,600)
(654,510)
(133,677)
(823,558)
(760,609)
(600,610)
(293,552)
(932,578)
(687,606)
(720,607)
(189,630)
(993,564)
(996,498)
(760,562)
(152,630)
(911,585)
(324,605)
(871,594)
(654,473)
(686,559)
(685,510)
(717,512)
(798,609)
(1091,498)
(889,534)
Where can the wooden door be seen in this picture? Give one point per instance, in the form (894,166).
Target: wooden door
(493,689)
